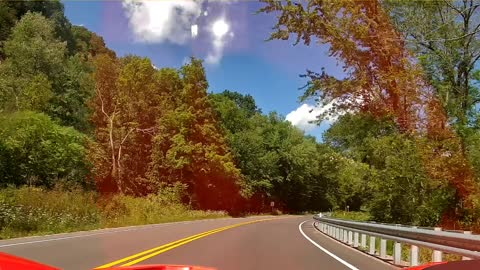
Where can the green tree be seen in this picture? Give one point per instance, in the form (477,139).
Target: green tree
(376,167)
(402,191)
(350,134)
(37,75)
(382,79)
(448,53)
(244,102)
(12,11)
(74,89)
(277,161)
(232,117)
(190,146)
(8,18)
(33,47)
(36,151)
(127,103)
(34,60)
(140,101)
(88,44)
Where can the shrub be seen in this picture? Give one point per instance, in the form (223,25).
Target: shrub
(36,151)
(352,215)
(35,211)
(402,190)
(165,206)
(27,211)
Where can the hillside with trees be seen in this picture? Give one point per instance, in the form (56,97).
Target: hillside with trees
(412,92)
(81,124)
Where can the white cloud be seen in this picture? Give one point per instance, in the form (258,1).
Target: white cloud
(159,21)
(306,113)
(194,30)
(175,21)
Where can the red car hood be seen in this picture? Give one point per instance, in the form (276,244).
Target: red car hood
(10,262)
(458,265)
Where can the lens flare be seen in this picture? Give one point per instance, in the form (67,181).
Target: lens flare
(220,28)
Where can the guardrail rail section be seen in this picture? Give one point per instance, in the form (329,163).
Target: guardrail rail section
(356,234)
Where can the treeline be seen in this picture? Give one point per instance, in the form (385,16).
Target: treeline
(410,94)
(74,115)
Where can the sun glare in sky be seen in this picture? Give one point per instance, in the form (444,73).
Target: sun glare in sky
(220,28)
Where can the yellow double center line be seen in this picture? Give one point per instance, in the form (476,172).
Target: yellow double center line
(136,258)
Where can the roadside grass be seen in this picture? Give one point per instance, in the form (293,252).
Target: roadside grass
(352,215)
(33,211)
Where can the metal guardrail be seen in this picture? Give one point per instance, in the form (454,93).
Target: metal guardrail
(461,243)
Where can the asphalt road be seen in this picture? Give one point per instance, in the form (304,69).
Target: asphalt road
(240,243)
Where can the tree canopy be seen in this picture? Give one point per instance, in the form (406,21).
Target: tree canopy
(74,114)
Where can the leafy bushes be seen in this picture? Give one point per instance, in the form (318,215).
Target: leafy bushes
(352,215)
(38,152)
(34,211)
(165,206)
(27,211)
(387,171)
(402,191)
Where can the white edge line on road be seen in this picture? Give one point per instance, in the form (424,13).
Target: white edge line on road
(112,230)
(323,249)
(69,237)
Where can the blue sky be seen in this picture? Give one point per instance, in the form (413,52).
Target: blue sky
(237,56)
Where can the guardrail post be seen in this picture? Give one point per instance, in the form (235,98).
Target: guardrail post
(463,257)
(372,245)
(363,243)
(437,254)
(414,252)
(413,255)
(355,239)
(397,253)
(438,241)
(383,248)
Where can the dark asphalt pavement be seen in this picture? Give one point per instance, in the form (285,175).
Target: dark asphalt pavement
(279,243)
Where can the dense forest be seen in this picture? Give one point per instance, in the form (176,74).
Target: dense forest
(405,147)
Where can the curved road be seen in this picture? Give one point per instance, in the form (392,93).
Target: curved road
(239,243)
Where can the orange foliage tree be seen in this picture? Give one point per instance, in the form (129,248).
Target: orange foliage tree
(156,127)
(128,99)
(382,78)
